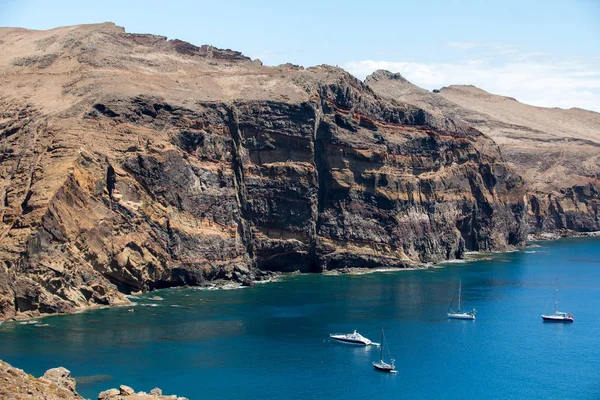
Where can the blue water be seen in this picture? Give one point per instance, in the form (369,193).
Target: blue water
(271,341)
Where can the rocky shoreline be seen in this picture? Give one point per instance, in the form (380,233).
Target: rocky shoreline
(57,384)
(561,234)
(268,277)
(221,284)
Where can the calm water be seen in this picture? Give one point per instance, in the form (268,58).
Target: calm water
(271,341)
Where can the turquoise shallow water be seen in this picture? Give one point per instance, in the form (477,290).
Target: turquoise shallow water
(271,341)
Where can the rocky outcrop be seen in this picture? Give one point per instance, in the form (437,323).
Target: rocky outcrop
(57,384)
(196,168)
(60,377)
(127,393)
(556,151)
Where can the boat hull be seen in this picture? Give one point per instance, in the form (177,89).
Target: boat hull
(350,341)
(351,338)
(383,367)
(461,316)
(552,318)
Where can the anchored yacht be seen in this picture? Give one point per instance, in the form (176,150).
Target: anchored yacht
(382,365)
(558,316)
(352,338)
(458,314)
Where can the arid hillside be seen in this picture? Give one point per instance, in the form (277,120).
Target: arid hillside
(131,162)
(556,151)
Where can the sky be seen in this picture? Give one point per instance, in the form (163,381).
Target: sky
(544,53)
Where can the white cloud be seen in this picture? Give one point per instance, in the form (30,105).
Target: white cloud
(462,45)
(504,48)
(531,78)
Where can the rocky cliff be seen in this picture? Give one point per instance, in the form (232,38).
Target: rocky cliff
(556,151)
(131,162)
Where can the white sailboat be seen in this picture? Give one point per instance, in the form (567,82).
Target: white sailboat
(382,365)
(458,314)
(558,316)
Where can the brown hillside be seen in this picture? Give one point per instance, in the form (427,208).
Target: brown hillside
(556,151)
(131,162)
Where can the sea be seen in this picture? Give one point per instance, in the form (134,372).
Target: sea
(271,341)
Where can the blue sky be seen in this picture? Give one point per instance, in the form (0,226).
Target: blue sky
(540,52)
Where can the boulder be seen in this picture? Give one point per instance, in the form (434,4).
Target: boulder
(126,390)
(61,377)
(108,394)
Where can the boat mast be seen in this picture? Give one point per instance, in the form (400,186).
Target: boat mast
(556,298)
(459,288)
(382,344)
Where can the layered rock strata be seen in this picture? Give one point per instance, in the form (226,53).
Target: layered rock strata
(132,162)
(556,151)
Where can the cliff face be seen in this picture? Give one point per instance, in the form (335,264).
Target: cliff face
(131,162)
(556,151)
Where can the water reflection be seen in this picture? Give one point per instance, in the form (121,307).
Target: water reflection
(92,379)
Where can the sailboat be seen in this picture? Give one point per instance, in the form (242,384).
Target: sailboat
(458,314)
(382,365)
(558,316)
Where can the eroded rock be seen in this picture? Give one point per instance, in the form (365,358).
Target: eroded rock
(556,151)
(61,377)
(125,390)
(123,191)
(56,384)
(109,394)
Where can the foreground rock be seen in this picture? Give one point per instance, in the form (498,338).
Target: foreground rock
(132,162)
(60,377)
(54,385)
(57,384)
(127,393)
